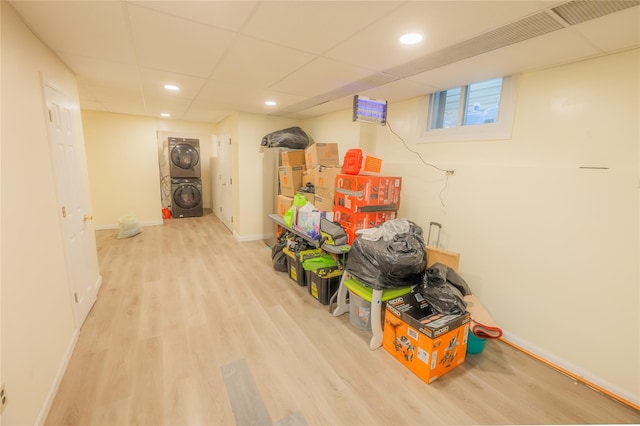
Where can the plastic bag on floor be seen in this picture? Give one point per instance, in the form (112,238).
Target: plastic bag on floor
(128,227)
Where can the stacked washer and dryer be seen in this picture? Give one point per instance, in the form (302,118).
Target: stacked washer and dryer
(186,180)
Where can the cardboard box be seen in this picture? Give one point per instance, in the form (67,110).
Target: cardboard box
(309,175)
(325,154)
(428,344)
(323,203)
(294,157)
(325,180)
(290,179)
(352,221)
(368,193)
(283,203)
(361,220)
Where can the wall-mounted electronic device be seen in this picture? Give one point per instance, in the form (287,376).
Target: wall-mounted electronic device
(369,110)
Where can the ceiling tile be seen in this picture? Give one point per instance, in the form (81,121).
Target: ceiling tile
(399,90)
(174,106)
(176,45)
(598,31)
(98,72)
(325,108)
(313,26)
(320,76)
(443,23)
(153,82)
(95,29)
(240,95)
(230,15)
(260,62)
(205,115)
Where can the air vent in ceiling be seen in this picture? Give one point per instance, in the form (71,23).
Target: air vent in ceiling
(541,23)
(524,29)
(579,11)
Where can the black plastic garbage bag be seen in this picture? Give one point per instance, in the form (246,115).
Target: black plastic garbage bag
(439,273)
(291,137)
(278,258)
(444,289)
(395,259)
(444,298)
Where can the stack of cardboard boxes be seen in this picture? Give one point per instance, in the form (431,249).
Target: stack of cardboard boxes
(363,198)
(317,165)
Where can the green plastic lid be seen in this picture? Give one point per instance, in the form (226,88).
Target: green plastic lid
(315,263)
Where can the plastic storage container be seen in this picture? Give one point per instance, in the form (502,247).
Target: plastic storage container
(323,283)
(356,162)
(359,312)
(295,261)
(475,344)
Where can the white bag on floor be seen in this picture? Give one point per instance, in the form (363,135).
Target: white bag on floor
(129,226)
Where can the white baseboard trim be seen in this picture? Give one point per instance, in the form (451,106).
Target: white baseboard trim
(251,237)
(579,373)
(53,390)
(116,226)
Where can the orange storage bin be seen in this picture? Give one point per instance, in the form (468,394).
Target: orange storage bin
(356,162)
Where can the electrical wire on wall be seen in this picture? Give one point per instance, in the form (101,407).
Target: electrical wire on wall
(165,178)
(447,173)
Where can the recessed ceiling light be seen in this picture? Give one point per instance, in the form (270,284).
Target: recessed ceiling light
(270,103)
(165,114)
(171,87)
(411,38)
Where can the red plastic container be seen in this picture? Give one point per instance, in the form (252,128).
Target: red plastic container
(356,162)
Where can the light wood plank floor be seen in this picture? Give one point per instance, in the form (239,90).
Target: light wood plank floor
(183,300)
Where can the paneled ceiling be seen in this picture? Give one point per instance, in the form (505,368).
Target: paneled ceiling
(310,57)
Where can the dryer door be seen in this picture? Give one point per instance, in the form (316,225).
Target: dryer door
(187,196)
(184,159)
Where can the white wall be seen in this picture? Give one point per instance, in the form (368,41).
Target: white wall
(122,157)
(37,326)
(251,129)
(550,249)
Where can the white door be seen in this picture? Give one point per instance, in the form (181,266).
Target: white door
(77,228)
(226,182)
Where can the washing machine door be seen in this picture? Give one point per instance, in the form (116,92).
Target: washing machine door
(185,156)
(187,196)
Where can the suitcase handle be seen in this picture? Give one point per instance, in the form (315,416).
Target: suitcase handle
(431,224)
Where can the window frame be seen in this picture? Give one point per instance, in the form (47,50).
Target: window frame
(500,129)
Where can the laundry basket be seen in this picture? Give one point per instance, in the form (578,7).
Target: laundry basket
(129,226)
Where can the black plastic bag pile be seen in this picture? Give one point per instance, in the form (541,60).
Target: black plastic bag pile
(397,258)
(444,289)
(291,137)
(394,255)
